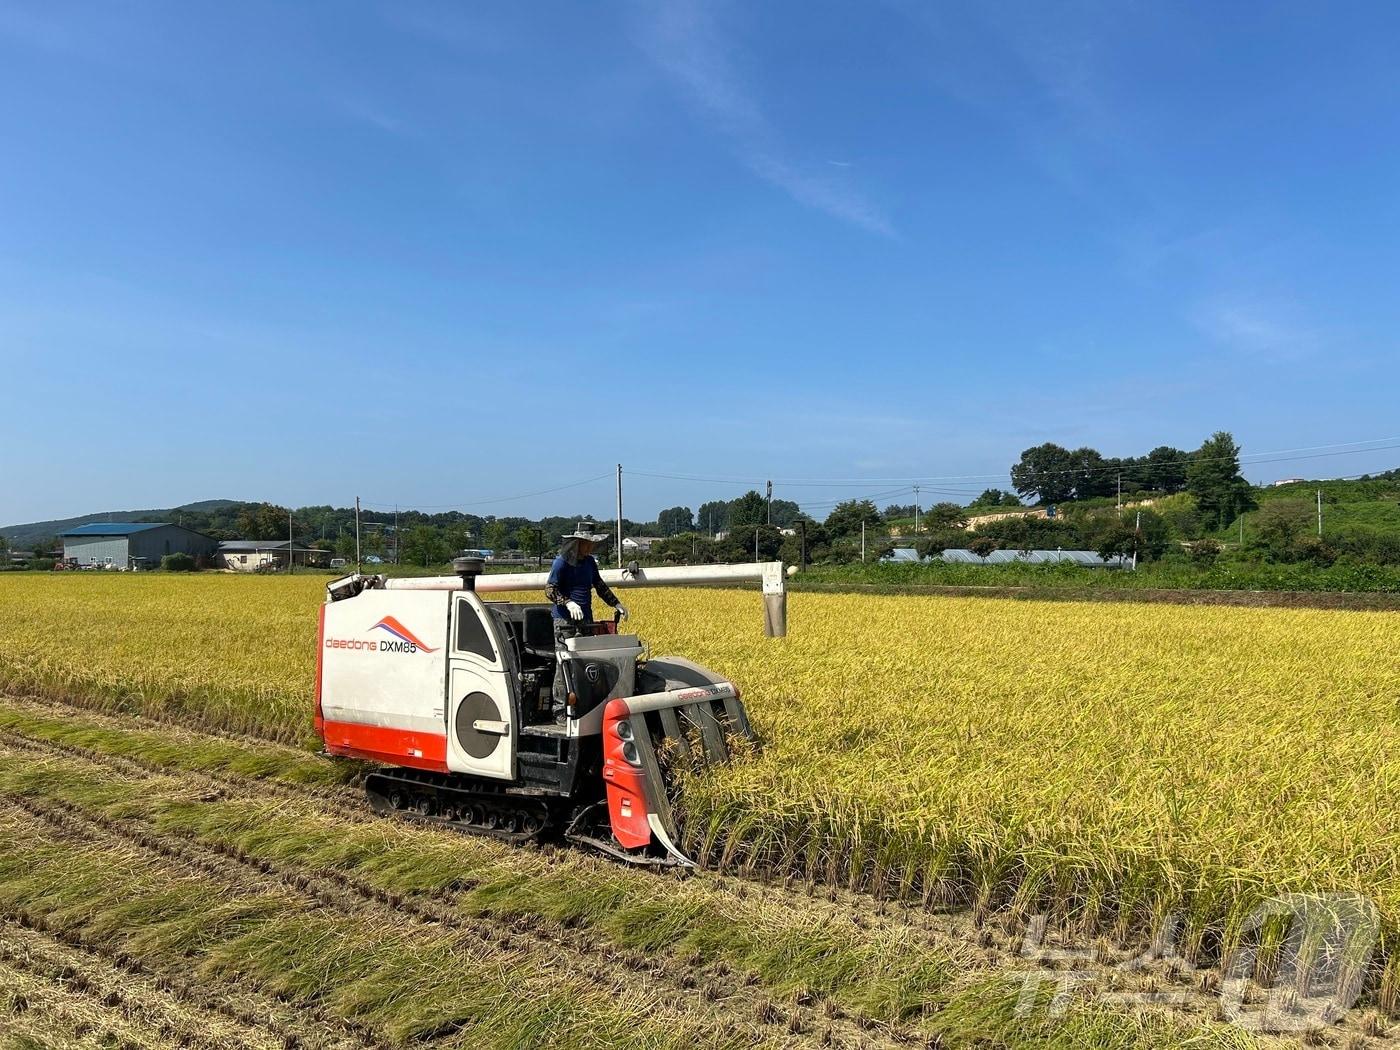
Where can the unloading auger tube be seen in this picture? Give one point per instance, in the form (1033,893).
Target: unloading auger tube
(454,695)
(769,573)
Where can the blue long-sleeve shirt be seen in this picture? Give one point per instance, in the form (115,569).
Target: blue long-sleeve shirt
(576,582)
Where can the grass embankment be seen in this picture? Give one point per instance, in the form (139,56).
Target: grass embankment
(1167,575)
(1111,763)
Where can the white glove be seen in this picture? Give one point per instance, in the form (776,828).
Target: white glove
(621,611)
(575,610)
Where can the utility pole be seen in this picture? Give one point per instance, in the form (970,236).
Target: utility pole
(1136,530)
(802,549)
(619,515)
(756,530)
(1319,514)
(396,533)
(291,546)
(1120,490)
(862,539)
(916,510)
(357,533)
(770,507)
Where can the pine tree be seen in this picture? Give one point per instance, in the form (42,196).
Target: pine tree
(1213,477)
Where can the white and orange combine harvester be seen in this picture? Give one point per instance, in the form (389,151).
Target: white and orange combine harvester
(451,698)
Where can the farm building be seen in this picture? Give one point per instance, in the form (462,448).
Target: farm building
(132,544)
(265,555)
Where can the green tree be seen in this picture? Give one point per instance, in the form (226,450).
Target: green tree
(530,540)
(1115,541)
(423,545)
(1151,533)
(1281,524)
(785,513)
(712,517)
(995,498)
(846,517)
(982,546)
(1093,475)
(1316,550)
(812,535)
(1213,477)
(495,535)
(1045,473)
(944,516)
(1164,469)
(749,509)
(458,537)
(1181,517)
(345,546)
(263,521)
(1204,552)
(767,537)
(674,520)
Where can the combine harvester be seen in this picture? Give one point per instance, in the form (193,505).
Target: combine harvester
(454,695)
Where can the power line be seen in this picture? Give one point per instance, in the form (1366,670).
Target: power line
(382,504)
(789,483)
(906,484)
(1250,459)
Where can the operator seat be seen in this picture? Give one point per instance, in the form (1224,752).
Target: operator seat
(538,633)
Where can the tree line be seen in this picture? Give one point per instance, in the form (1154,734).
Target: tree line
(1052,474)
(1197,495)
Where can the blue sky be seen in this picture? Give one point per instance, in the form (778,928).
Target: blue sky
(441,254)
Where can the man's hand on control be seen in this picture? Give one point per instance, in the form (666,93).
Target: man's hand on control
(575,610)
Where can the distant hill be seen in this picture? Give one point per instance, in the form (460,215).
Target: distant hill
(21,535)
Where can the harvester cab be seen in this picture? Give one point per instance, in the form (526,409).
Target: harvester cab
(451,698)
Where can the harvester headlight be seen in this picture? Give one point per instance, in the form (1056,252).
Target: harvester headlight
(629,752)
(624,729)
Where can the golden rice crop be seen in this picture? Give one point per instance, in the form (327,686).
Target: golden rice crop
(1111,760)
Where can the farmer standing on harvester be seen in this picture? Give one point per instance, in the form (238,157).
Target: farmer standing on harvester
(572,579)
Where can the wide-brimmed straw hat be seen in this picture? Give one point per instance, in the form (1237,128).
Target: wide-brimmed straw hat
(587,530)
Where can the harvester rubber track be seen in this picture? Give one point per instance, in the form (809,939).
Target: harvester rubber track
(429,798)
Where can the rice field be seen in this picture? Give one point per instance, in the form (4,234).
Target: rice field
(1108,763)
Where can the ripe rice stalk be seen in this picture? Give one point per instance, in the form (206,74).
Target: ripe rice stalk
(1118,763)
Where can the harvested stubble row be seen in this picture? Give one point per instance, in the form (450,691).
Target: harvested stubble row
(1113,763)
(594,920)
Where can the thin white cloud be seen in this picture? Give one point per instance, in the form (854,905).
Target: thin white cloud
(682,40)
(359,107)
(1254,328)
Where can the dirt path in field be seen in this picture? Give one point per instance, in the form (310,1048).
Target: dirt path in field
(735,1006)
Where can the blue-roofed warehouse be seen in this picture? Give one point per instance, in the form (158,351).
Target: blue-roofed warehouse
(132,544)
